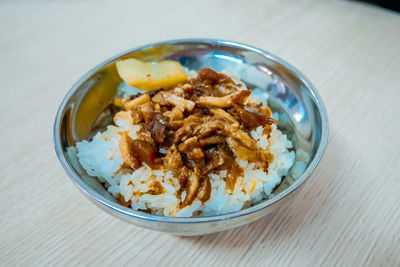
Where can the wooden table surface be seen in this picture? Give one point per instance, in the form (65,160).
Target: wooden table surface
(348,213)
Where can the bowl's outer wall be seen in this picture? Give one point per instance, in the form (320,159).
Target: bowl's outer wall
(291,94)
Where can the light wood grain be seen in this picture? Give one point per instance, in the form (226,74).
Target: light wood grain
(347,214)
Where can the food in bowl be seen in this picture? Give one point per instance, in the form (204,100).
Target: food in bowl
(187,143)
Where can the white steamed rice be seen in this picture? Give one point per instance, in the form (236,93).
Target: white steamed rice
(101,158)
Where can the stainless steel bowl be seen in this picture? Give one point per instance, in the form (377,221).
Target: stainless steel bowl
(291,94)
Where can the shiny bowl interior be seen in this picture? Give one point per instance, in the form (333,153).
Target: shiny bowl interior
(85,110)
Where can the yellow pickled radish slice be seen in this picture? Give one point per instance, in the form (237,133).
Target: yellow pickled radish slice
(151,76)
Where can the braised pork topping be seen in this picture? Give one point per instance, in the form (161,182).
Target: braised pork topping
(203,124)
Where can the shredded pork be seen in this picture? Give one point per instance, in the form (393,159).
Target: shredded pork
(204,124)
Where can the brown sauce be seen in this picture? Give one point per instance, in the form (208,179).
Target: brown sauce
(232,176)
(156,188)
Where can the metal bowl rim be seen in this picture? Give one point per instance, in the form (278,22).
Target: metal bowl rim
(96,197)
